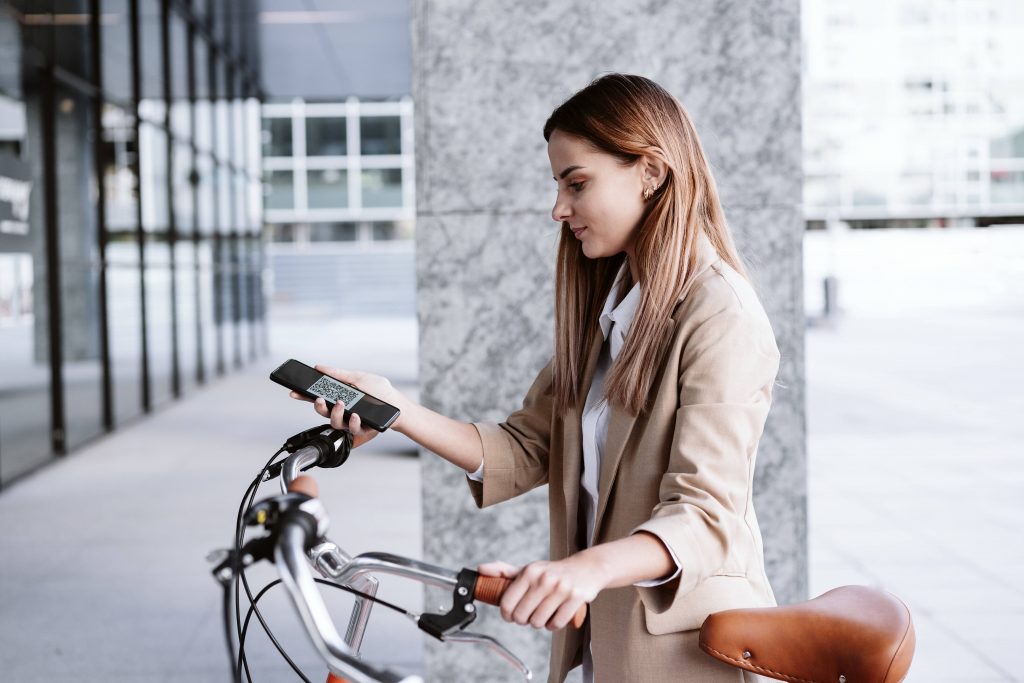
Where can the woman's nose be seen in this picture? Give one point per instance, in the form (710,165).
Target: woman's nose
(560,212)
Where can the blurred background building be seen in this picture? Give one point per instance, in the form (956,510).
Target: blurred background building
(913,112)
(338,158)
(130,212)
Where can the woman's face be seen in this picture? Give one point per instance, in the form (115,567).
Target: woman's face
(600,199)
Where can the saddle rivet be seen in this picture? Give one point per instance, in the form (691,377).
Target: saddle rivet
(746,654)
(842,678)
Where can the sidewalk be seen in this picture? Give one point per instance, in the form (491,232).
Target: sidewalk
(102,556)
(916,480)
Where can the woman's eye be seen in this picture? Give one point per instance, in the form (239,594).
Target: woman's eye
(576,187)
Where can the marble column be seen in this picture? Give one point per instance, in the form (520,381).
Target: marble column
(485,78)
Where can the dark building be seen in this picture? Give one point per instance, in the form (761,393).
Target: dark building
(130,212)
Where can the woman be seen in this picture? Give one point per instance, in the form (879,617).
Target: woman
(645,423)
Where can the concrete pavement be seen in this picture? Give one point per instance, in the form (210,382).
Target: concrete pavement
(102,569)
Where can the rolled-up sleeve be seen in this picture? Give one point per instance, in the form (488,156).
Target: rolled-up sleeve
(515,452)
(728,367)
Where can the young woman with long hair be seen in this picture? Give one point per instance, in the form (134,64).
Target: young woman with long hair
(645,423)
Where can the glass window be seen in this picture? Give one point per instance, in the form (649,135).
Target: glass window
(124,335)
(277,137)
(151,105)
(71,37)
(79,272)
(382,187)
(225,202)
(224,284)
(158,330)
(333,232)
(392,230)
(25,437)
(205,206)
(124,281)
(153,172)
(203,99)
(380,135)
(187,314)
(239,192)
(254,196)
(183,191)
(327,188)
(207,324)
(120,193)
(222,132)
(325,136)
(117,49)
(253,160)
(238,130)
(181,115)
(79,239)
(280,189)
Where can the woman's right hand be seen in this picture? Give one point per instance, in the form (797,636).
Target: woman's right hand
(375,385)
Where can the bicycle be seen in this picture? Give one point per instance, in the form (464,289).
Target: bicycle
(296,524)
(852,633)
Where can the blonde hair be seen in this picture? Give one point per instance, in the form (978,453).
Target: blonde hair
(628,117)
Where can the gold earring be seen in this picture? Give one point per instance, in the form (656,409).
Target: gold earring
(648,193)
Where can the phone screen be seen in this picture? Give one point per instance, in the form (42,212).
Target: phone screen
(334,391)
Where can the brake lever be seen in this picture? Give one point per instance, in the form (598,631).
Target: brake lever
(493,644)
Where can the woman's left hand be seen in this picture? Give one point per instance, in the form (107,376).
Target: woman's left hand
(548,594)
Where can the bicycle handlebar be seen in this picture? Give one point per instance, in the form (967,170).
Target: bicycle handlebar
(290,559)
(488,589)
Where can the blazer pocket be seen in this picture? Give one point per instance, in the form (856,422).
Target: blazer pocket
(714,594)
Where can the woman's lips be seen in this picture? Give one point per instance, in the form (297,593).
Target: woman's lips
(578,231)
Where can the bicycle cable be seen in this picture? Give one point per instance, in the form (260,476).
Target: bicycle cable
(239,574)
(347,589)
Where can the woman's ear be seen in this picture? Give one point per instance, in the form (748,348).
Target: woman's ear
(654,169)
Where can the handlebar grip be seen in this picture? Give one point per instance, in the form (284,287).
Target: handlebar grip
(489,589)
(305,484)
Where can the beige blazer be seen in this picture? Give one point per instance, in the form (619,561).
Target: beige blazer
(682,469)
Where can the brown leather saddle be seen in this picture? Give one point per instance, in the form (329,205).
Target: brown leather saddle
(851,634)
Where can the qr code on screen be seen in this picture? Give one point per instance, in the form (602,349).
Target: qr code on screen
(335,392)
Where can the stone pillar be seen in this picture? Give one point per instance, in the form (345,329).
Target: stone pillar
(485,78)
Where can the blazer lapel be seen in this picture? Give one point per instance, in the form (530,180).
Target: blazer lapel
(621,423)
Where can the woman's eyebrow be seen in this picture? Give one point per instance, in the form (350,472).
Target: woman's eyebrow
(567,171)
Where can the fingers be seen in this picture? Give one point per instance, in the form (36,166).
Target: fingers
(503,569)
(564,614)
(296,395)
(320,406)
(541,595)
(337,415)
(513,594)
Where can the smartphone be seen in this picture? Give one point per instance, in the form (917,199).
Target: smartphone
(311,383)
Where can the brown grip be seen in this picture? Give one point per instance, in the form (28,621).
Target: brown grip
(304,484)
(489,589)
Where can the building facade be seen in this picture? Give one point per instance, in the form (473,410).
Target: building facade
(130,212)
(913,112)
(338,158)
(339,171)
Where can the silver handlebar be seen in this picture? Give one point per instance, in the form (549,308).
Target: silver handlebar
(290,558)
(331,561)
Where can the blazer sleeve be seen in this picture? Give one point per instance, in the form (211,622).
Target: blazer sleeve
(516,450)
(727,370)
